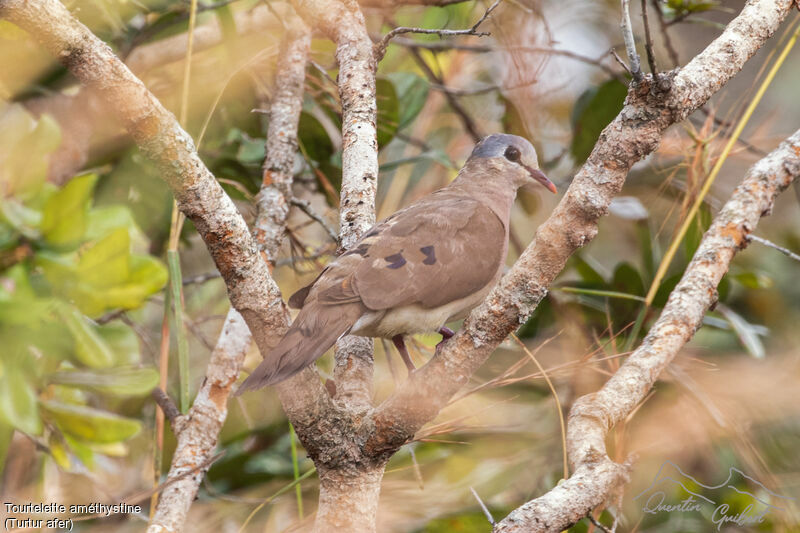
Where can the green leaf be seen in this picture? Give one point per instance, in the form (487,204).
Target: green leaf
(6,434)
(754,280)
(120,381)
(700,223)
(666,288)
(26,145)
(745,331)
(628,280)
(18,401)
(586,271)
(593,111)
(106,264)
(103,220)
(90,347)
(412,91)
(59,452)
(251,151)
(316,141)
(65,214)
(23,219)
(388,111)
(89,424)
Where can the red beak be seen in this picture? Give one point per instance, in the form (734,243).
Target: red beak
(539,176)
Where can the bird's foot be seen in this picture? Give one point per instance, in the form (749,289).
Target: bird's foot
(400,344)
(446,333)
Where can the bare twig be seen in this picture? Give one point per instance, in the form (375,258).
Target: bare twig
(306,208)
(597,524)
(785,251)
(380,47)
(482,49)
(466,119)
(662,23)
(648,47)
(166,404)
(620,61)
(630,42)
(485,509)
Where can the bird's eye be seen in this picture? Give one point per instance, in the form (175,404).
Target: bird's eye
(512,153)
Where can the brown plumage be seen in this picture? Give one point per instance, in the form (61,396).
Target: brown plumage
(422,267)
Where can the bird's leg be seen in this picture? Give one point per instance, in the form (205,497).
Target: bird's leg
(446,333)
(401,347)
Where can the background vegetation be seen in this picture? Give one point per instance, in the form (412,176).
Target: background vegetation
(83,267)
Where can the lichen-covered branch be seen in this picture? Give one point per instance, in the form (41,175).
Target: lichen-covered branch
(197,433)
(592,416)
(651,107)
(344,24)
(274,199)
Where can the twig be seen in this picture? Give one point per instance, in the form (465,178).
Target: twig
(621,62)
(306,208)
(166,404)
(483,49)
(201,278)
(466,119)
(630,43)
(597,524)
(673,54)
(485,509)
(785,251)
(380,47)
(651,56)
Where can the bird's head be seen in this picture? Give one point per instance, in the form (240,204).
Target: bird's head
(514,156)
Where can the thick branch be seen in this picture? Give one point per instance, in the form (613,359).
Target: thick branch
(593,415)
(633,134)
(197,437)
(344,24)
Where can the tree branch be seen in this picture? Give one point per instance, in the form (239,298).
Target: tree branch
(198,437)
(344,24)
(592,416)
(649,110)
(380,47)
(630,42)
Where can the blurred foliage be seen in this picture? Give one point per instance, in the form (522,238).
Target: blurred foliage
(71,376)
(63,263)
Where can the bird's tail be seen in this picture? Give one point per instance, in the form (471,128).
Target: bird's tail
(315,329)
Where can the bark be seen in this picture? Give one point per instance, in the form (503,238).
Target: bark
(350,482)
(348,500)
(344,24)
(275,197)
(650,108)
(198,432)
(592,416)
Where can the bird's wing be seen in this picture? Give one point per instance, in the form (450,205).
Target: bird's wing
(434,252)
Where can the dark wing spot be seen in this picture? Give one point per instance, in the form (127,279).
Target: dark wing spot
(395,261)
(361,250)
(430,255)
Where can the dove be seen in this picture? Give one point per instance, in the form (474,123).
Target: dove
(424,266)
